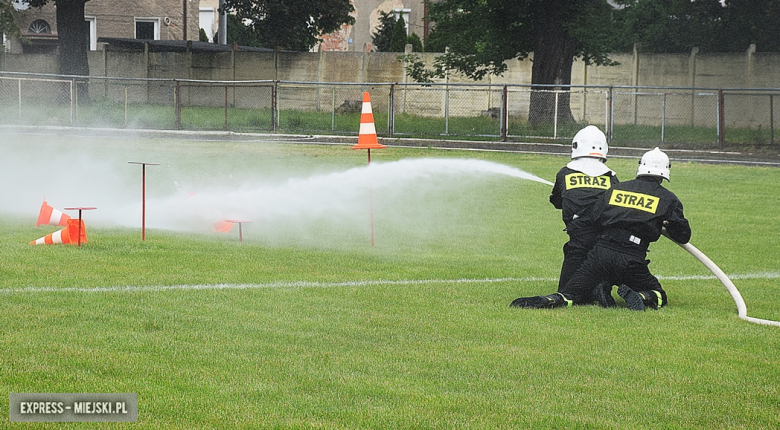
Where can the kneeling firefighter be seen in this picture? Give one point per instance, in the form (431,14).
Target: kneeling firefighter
(578,186)
(631,216)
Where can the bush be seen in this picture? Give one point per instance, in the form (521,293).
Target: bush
(384,32)
(398,41)
(416,43)
(202,36)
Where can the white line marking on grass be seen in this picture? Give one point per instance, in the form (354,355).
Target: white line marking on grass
(292,284)
(763,275)
(312,284)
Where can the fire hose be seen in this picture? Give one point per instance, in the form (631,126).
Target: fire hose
(741,308)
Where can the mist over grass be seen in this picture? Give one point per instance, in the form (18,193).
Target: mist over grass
(306,196)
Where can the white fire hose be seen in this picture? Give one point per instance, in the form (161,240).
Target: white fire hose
(741,308)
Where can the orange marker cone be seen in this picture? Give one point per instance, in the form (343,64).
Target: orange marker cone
(68,235)
(49,215)
(223,226)
(367,135)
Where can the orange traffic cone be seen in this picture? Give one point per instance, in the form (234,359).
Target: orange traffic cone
(223,226)
(367,135)
(49,215)
(68,235)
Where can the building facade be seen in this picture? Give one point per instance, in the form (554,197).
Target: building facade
(208,18)
(358,37)
(166,20)
(350,37)
(136,19)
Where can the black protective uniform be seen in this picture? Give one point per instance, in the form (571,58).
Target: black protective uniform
(575,193)
(631,216)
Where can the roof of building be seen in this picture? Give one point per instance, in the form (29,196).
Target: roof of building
(173,45)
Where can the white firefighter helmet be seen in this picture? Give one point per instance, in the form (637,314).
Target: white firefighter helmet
(654,163)
(589,142)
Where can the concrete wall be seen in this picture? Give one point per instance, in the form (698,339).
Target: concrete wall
(677,104)
(733,70)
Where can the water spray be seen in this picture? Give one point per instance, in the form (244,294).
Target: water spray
(709,264)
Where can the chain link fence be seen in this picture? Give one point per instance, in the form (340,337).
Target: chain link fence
(665,117)
(637,116)
(751,116)
(37,101)
(446,110)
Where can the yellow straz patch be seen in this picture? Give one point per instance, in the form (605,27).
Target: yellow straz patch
(581,180)
(627,199)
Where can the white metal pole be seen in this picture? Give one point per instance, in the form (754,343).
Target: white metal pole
(555,120)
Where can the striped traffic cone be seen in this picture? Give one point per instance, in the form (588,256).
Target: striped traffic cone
(68,235)
(49,215)
(367,135)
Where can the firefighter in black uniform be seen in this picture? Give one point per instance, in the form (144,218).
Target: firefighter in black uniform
(631,215)
(578,186)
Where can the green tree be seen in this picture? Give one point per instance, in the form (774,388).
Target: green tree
(668,25)
(384,32)
(710,25)
(436,41)
(414,40)
(483,35)
(8,25)
(71,34)
(750,21)
(391,33)
(202,36)
(292,24)
(241,34)
(398,41)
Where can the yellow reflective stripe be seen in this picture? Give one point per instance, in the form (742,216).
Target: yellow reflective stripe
(569,303)
(660,299)
(581,180)
(627,199)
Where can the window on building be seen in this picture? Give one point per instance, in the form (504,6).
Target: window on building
(91,30)
(39,26)
(147,28)
(207,20)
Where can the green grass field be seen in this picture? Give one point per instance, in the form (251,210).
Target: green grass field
(309,326)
